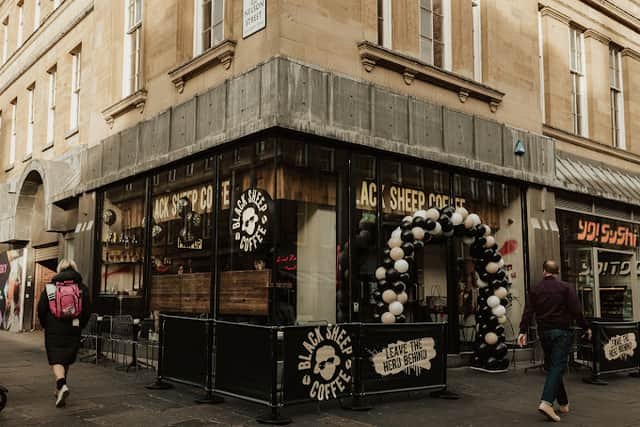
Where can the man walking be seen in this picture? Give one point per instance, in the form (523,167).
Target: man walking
(555,305)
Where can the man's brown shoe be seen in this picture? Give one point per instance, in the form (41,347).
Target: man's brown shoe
(564,408)
(548,411)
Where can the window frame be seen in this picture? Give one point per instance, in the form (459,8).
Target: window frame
(36,14)
(385,24)
(616,90)
(199,47)
(446,60)
(76,76)
(20,33)
(51,105)
(30,119)
(476,16)
(577,70)
(132,61)
(5,42)
(14,131)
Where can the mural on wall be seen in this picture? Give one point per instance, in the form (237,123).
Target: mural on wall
(12,270)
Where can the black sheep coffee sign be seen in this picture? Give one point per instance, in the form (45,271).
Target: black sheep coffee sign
(251,219)
(322,366)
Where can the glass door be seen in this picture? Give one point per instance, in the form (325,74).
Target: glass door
(616,280)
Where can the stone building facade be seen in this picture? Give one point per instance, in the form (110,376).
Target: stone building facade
(542,96)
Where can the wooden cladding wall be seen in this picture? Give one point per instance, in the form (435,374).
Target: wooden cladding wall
(245,292)
(185,293)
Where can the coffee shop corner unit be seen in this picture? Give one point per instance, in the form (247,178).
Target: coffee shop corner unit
(275,208)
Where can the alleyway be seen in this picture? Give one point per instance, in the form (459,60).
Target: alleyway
(102,396)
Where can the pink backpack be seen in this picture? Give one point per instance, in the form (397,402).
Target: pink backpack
(65,299)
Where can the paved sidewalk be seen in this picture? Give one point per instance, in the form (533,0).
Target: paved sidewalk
(102,396)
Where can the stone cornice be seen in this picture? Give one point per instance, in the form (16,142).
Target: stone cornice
(555,14)
(222,53)
(135,100)
(631,53)
(616,13)
(591,33)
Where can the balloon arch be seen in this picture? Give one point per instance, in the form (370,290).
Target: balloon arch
(395,273)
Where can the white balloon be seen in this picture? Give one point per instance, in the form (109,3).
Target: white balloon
(487,230)
(493,301)
(401,265)
(396,254)
(468,222)
(381,273)
(501,263)
(407,218)
(463,212)
(475,219)
(418,233)
(403,297)
(437,230)
(490,241)
(499,311)
(389,296)
(491,267)
(422,214)
(433,214)
(394,242)
(456,219)
(468,240)
(482,284)
(396,308)
(388,318)
(491,338)
(396,233)
(502,319)
(501,292)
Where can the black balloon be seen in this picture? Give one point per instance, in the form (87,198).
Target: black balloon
(408,248)
(406,225)
(401,318)
(492,322)
(447,227)
(377,295)
(501,350)
(503,364)
(392,275)
(486,310)
(419,222)
(459,230)
(500,330)
(386,251)
(387,262)
(407,236)
(482,300)
(501,274)
(481,241)
(429,225)
(496,257)
(504,302)
(483,350)
(405,277)
(399,287)
(470,232)
(418,244)
(481,229)
(448,211)
(492,363)
(485,292)
(382,284)
(487,255)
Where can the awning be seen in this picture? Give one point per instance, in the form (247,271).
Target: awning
(597,179)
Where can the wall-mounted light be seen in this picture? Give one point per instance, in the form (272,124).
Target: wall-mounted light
(519,149)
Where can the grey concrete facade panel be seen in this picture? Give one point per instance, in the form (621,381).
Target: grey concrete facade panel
(111,155)
(425,124)
(129,147)
(211,112)
(488,141)
(391,116)
(351,104)
(155,135)
(183,122)
(93,165)
(243,100)
(458,133)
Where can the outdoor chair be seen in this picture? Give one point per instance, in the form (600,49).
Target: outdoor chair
(89,339)
(145,348)
(121,339)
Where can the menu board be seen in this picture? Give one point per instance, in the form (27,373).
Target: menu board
(612,304)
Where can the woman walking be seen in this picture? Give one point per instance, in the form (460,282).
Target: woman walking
(63,311)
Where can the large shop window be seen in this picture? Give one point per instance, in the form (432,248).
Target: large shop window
(181,235)
(122,240)
(500,207)
(407,188)
(600,258)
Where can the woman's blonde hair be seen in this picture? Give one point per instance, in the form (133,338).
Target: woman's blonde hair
(66,264)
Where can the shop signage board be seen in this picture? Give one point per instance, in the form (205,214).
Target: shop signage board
(251,219)
(318,362)
(165,206)
(617,344)
(403,356)
(599,231)
(254,16)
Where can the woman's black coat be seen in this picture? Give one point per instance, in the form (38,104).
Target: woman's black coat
(61,337)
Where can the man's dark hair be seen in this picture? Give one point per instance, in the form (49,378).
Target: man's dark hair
(551,267)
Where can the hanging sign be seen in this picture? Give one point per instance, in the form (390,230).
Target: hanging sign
(254,16)
(251,222)
(599,231)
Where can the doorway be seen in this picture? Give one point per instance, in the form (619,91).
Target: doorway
(45,270)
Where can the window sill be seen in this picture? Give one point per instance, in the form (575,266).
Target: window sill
(71,133)
(27,158)
(372,55)
(9,167)
(136,100)
(222,53)
(47,147)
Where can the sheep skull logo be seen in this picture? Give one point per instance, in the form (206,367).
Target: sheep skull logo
(327,361)
(251,219)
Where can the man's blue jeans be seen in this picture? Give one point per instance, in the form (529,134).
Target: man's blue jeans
(556,343)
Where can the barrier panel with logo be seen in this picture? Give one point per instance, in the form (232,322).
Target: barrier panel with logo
(402,357)
(245,360)
(615,347)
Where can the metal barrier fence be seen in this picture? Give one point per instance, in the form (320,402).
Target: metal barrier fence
(283,365)
(615,349)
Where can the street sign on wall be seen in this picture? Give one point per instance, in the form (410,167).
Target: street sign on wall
(254,16)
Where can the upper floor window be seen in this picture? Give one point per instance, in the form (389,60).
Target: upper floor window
(477,40)
(578,89)
(615,84)
(30,119)
(5,39)
(12,142)
(20,23)
(51,106)
(36,14)
(209,31)
(132,74)
(75,89)
(384,23)
(435,38)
